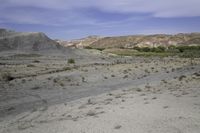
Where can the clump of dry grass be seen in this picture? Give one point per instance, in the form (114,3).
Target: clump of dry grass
(181,77)
(66,68)
(30,65)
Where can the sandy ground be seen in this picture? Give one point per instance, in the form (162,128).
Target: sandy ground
(100,94)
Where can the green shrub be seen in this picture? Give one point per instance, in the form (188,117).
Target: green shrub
(30,65)
(171,47)
(100,49)
(161,48)
(88,47)
(143,49)
(157,50)
(71,61)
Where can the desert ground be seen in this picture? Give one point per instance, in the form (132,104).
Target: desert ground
(99,93)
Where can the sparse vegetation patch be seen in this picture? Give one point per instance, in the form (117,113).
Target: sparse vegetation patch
(71,61)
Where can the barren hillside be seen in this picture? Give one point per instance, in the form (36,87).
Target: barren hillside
(79,43)
(147,41)
(11,40)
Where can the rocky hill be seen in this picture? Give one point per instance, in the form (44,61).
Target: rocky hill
(33,41)
(79,43)
(147,41)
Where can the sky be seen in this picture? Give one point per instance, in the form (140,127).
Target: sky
(71,19)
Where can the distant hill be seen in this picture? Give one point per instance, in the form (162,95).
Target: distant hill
(32,41)
(79,43)
(147,41)
(134,40)
(37,41)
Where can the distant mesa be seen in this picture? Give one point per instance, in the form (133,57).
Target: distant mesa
(27,41)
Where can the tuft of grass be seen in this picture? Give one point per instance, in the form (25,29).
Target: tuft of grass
(181,77)
(196,74)
(30,65)
(62,84)
(138,90)
(125,76)
(83,79)
(35,88)
(55,80)
(66,68)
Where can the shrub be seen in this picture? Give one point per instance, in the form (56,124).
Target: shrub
(66,68)
(36,61)
(7,77)
(30,65)
(138,90)
(88,47)
(181,77)
(171,47)
(137,48)
(100,49)
(145,49)
(161,49)
(71,61)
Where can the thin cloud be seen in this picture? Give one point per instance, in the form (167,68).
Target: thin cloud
(65,12)
(114,17)
(158,8)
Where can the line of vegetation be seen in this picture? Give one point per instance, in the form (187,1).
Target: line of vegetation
(181,51)
(89,47)
(126,52)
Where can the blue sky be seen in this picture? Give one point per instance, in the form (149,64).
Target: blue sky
(70,19)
